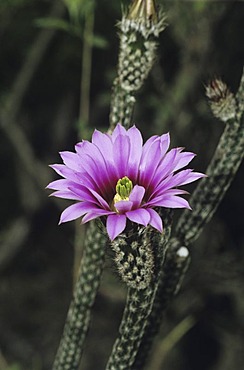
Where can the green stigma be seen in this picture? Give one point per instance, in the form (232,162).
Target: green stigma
(123,189)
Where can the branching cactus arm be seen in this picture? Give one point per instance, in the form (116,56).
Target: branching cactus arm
(78,318)
(224,164)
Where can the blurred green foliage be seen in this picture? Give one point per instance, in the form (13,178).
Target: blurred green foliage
(13,367)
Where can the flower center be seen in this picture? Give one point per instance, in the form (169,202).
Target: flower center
(123,189)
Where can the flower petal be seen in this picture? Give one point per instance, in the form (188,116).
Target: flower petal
(115,225)
(66,172)
(80,176)
(183,159)
(61,184)
(91,153)
(97,174)
(182,178)
(148,144)
(121,153)
(139,216)
(119,130)
(193,176)
(155,220)
(71,160)
(95,214)
(75,211)
(104,143)
(100,199)
(171,201)
(165,141)
(165,168)
(137,195)
(65,195)
(135,152)
(123,206)
(164,193)
(149,163)
(83,192)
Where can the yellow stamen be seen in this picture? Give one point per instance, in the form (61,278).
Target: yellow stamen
(124,187)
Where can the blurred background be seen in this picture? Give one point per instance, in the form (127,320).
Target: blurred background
(57,64)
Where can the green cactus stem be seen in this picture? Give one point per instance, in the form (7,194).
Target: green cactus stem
(71,346)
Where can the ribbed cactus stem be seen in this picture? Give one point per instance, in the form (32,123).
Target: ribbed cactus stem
(77,323)
(138,307)
(174,269)
(139,30)
(142,282)
(221,170)
(134,260)
(240,95)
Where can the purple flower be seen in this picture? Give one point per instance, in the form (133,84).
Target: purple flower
(118,177)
